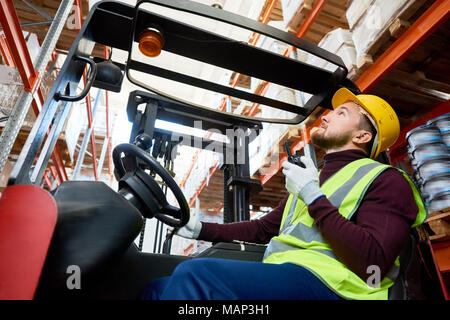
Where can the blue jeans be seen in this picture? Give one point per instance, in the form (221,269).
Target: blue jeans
(223,279)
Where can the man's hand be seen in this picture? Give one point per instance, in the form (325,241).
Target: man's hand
(191,230)
(303,182)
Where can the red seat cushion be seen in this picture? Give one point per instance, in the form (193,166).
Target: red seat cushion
(27,219)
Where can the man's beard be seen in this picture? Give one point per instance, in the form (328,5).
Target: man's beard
(327,143)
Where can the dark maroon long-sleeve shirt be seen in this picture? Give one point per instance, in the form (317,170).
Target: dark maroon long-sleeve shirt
(374,236)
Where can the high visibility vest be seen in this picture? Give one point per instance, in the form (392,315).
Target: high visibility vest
(300,241)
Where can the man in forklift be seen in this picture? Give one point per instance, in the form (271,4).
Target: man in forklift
(337,235)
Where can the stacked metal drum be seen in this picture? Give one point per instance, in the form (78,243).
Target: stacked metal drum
(429,151)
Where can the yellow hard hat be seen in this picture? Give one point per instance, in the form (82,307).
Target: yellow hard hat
(381,114)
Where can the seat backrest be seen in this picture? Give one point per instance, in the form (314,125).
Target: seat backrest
(95,226)
(408,283)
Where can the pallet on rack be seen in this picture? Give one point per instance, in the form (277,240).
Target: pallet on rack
(439,223)
(295,19)
(332,16)
(392,31)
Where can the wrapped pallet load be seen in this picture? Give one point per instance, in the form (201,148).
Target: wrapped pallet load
(290,9)
(369,22)
(355,10)
(339,41)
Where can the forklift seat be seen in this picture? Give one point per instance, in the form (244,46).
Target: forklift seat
(408,283)
(95,226)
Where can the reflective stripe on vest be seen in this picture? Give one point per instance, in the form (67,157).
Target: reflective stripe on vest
(301,242)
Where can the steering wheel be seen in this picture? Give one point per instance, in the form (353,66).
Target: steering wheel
(146,192)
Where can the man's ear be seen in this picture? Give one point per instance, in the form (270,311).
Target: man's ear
(362,137)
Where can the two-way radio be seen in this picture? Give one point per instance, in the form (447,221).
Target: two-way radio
(295,159)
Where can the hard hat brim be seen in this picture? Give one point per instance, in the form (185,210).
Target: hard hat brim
(344,95)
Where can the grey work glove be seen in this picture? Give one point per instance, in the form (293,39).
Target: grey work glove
(191,230)
(303,182)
